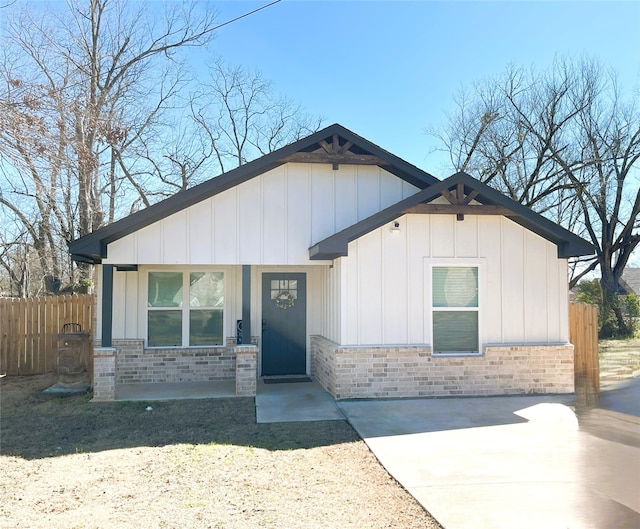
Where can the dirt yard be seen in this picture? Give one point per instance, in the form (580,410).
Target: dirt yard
(67,463)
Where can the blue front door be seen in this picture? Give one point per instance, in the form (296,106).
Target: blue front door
(284,324)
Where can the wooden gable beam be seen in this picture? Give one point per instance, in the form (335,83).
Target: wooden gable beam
(325,146)
(459,209)
(470,197)
(323,157)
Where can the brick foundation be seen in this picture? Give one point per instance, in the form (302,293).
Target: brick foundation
(412,371)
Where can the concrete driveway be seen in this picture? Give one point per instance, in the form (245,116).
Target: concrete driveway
(508,462)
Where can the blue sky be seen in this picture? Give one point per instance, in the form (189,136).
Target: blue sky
(389,69)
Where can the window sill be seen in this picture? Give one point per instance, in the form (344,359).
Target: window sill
(186,347)
(455,355)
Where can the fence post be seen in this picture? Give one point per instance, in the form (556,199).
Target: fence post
(583,333)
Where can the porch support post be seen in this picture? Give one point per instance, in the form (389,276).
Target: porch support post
(107,304)
(246,370)
(246,304)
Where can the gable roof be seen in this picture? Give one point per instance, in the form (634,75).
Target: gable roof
(334,144)
(492,202)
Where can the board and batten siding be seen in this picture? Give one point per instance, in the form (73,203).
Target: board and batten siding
(384,282)
(272,219)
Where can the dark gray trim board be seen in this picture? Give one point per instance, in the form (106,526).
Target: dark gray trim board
(92,248)
(569,244)
(107,305)
(246,304)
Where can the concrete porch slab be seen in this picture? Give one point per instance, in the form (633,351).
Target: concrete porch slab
(176,390)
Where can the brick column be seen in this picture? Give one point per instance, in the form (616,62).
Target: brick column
(104,373)
(246,370)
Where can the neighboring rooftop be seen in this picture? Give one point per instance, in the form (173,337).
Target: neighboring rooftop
(630,281)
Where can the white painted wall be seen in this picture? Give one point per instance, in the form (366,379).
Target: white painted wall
(386,298)
(271,219)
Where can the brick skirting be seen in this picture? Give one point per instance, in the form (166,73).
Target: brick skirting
(128,362)
(349,372)
(137,365)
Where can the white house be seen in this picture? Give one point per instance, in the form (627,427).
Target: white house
(341,261)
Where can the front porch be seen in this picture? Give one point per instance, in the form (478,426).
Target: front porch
(282,402)
(128,364)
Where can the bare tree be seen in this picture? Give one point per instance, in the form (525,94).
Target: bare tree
(565,143)
(243,118)
(81,87)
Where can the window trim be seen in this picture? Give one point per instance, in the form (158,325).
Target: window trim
(477,263)
(186,307)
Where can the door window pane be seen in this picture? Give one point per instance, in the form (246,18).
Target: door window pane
(165,328)
(284,292)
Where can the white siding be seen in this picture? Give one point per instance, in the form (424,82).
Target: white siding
(125,310)
(370,300)
(512,277)
(524,284)
(395,287)
(200,229)
(490,247)
(335,304)
(271,219)
(418,240)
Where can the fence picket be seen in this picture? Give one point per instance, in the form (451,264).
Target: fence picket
(30,328)
(583,334)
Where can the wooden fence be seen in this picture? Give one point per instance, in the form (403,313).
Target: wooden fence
(583,334)
(30,329)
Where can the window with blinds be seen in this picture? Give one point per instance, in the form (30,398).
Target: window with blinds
(185,309)
(455,310)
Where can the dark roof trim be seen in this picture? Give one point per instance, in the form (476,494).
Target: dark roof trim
(92,248)
(569,244)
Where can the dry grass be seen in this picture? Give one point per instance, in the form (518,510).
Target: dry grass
(68,463)
(619,359)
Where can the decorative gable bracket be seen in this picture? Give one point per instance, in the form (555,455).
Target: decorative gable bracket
(459,205)
(335,153)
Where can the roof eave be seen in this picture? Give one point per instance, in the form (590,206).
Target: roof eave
(568,244)
(93,246)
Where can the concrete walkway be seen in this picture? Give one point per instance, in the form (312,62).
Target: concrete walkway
(505,462)
(295,402)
